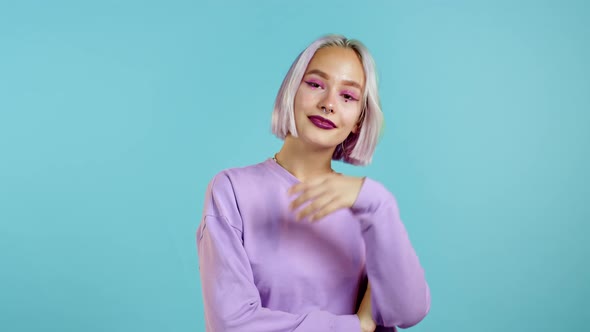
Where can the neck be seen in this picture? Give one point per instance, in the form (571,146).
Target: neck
(302,161)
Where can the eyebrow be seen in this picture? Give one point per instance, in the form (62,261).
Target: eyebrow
(325,76)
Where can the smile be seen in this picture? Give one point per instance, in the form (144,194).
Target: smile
(322,123)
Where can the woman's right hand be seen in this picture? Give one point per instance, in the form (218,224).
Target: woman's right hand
(364,313)
(368,325)
(367,322)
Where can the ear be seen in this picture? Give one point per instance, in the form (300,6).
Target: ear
(356,128)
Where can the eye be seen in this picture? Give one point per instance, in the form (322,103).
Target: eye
(348,97)
(313,84)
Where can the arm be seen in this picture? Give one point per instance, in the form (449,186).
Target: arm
(399,293)
(231,299)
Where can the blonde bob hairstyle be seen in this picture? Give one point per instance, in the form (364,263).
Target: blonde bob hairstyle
(356,149)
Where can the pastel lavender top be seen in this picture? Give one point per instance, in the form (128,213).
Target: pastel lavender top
(261,271)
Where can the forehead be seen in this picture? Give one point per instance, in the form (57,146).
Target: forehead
(338,63)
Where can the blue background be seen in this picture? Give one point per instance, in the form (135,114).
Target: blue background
(114,115)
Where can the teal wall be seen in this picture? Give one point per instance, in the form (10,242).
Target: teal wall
(114,115)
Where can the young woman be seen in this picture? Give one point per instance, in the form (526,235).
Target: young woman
(288,244)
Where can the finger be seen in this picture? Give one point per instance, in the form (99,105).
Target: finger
(296,188)
(307,195)
(307,184)
(314,206)
(328,208)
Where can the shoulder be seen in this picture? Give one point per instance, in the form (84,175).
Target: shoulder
(229,187)
(374,193)
(372,184)
(231,178)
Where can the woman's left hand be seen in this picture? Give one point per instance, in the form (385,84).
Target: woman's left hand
(325,195)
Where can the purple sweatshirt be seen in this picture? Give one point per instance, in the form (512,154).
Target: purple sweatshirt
(261,271)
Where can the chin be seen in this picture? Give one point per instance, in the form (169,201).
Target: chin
(317,139)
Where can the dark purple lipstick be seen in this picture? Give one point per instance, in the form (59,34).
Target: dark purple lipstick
(320,122)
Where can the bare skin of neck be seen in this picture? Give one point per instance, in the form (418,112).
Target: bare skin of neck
(303,161)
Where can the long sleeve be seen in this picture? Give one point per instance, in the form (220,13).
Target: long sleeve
(232,301)
(400,295)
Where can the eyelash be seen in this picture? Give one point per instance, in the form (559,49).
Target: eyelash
(313,84)
(347,96)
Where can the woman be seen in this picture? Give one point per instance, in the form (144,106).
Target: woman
(288,244)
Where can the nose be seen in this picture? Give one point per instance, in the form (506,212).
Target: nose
(327,103)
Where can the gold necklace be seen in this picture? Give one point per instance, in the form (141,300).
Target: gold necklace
(274,158)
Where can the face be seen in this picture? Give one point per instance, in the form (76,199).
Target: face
(328,102)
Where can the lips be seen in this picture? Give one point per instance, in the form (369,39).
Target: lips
(322,123)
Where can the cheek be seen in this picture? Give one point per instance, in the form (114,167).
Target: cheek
(304,98)
(351,114)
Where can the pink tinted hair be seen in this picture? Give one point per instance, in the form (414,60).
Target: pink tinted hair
(357,149)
